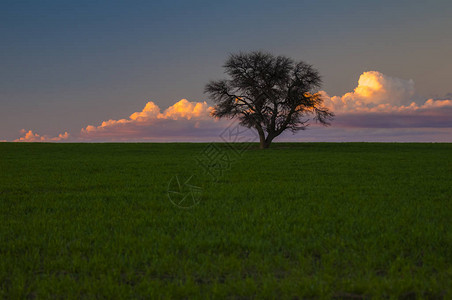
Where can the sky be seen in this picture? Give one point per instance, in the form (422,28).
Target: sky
(136,70)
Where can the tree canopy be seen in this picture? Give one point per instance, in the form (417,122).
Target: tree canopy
(269,93)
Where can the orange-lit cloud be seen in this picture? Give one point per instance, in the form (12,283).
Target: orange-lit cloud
(34,137)
(150,123)
(374,89)
(187,110)
(183,120)
(381,101)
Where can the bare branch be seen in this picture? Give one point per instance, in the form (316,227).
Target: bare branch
(269,93)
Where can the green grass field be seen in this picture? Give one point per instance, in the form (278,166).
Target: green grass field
(307,220)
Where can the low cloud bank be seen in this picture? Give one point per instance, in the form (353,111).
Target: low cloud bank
(181,121)
(380,108)
(380,101)
(29,136)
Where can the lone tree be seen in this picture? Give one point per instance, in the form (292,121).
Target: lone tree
(269,93)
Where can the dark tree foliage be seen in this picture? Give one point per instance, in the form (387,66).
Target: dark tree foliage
(269,93)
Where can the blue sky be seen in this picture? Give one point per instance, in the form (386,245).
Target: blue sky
(67,64)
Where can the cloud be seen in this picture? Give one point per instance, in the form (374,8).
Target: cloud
(373,89)
(380,108)
(34,137)
(374,134)
(381,101)
(188,110)
(184,120)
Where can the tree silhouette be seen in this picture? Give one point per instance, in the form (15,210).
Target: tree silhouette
(269,93)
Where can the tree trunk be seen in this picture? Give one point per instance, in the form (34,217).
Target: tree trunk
(266,141)
(262,140)
(265,145)
(269,140)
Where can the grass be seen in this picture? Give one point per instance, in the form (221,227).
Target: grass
(307,220)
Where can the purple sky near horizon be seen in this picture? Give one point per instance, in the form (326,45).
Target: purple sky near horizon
(68,66)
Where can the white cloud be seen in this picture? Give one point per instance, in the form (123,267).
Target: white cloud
(373,89)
